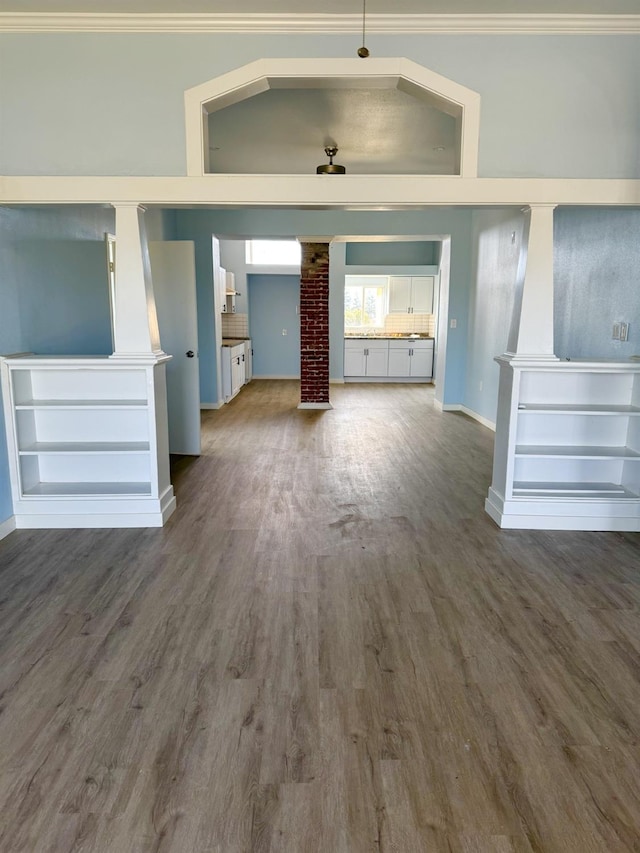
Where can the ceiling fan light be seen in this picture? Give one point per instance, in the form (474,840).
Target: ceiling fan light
(331,168)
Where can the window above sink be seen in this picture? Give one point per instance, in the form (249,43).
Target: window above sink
(365,302)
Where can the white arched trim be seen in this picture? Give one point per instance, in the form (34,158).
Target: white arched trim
(386,73)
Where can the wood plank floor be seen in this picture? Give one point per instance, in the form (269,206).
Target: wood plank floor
(330,647)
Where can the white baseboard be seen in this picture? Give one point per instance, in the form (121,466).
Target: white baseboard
(565,514)
(336,382)
(484,421)
(7,527)
(390,380)
(458,407)
(209,406)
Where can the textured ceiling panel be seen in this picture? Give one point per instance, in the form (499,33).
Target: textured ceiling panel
(377,131)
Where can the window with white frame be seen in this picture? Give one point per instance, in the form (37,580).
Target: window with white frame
(365,300)
(273,253)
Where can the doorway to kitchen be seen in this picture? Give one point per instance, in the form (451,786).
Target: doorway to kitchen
(393,292)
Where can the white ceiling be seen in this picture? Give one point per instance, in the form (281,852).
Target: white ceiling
(377,131)
(316,7)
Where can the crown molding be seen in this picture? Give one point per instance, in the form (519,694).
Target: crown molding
(425,24)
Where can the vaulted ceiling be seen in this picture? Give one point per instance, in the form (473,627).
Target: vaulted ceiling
(377,131)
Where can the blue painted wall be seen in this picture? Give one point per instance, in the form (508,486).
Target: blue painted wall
(401,253)
(496,240)
(596,281)
(273,304)
(552,106)
(64,296)
(199,225)
(53,293)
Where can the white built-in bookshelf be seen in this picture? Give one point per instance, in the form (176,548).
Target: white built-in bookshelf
(87,441)
(567,452)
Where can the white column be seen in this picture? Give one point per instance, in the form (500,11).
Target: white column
(135,322)
(531,334)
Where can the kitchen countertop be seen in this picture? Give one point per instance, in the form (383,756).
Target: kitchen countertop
(388,338)
(234,342)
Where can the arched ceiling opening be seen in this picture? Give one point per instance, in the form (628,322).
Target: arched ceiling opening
(386,116)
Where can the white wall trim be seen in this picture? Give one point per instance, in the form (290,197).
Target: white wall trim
(254,22)
(305,191)
(211,406)
(274,376)
(7,527)
(332,73)
(458,407)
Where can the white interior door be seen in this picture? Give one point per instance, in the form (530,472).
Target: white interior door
(173,271)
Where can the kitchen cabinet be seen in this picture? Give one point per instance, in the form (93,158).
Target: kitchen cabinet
(411,294)
(248,362)
(233,370)
(411,358)
(229,298)
(388,358)
(81,434)
(221,284)
(366,358)
(567,449)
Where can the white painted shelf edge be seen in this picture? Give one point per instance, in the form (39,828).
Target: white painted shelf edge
(64,405)
(88,490)
(575,452)
(84,447)
(596,491)
(577,409)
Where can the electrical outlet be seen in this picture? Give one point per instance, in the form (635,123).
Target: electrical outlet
(616,332)
(480,385)
(453,324)
(284,332)
(624,331)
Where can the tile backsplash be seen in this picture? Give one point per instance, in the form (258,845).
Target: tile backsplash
(422,324)
(235,325)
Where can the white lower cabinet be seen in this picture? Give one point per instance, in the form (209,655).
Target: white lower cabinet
(398,359)
(366,358)
(88,443)
(233,370)
(411,359)
(567,450)
(248,362)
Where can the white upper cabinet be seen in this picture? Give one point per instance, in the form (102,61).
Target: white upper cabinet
(422,294)
(399,294)
(411,294)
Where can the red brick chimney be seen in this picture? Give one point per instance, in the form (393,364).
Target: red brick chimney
(314,326)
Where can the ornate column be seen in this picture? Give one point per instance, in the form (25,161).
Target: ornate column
(314,325)
(135,323)
(530,343)
(531,334)
(137,341)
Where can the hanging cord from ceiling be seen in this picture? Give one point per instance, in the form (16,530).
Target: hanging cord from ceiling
(363,52)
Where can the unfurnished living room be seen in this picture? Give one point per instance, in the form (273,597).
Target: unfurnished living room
(319,426)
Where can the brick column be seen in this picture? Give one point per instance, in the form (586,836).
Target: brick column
(314,326)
